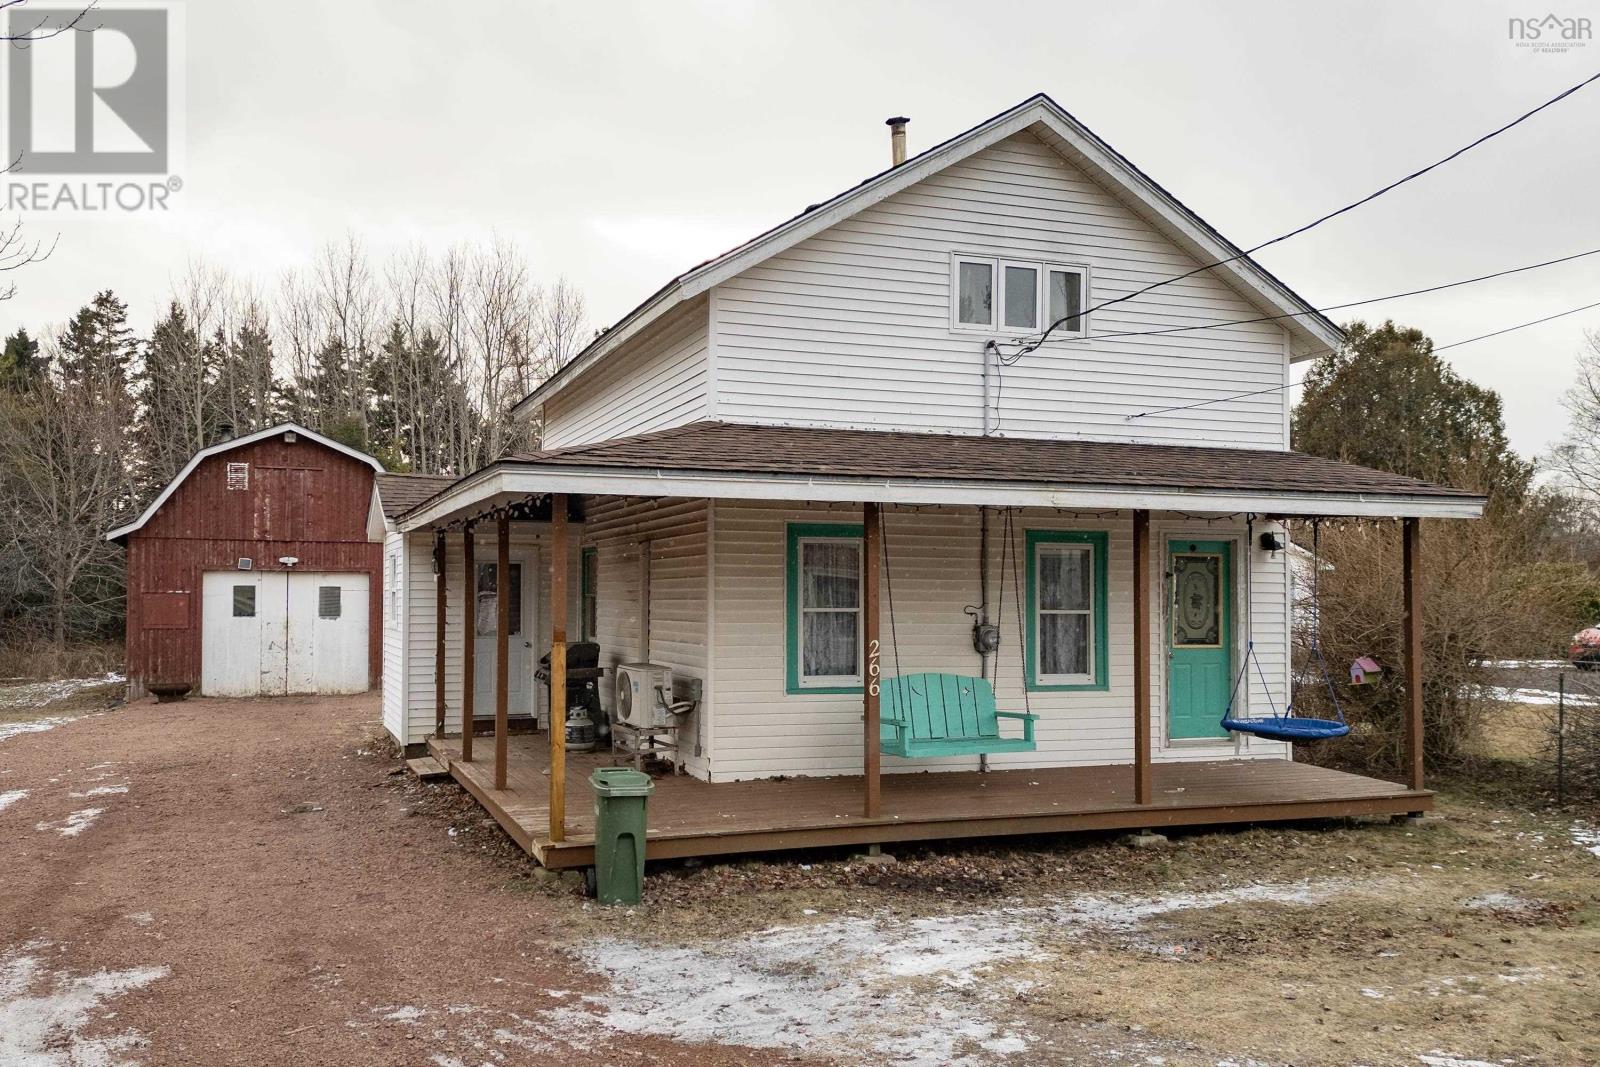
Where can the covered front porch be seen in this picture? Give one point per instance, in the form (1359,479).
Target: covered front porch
(689,817)
(703,570)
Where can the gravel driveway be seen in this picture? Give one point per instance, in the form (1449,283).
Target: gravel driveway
(244,882)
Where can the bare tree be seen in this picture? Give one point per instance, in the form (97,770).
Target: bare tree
(61,489)
(1577,457)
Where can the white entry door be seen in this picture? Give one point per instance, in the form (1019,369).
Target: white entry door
(519,643)
(267,633)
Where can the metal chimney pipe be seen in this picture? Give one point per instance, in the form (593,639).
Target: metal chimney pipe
(897,138)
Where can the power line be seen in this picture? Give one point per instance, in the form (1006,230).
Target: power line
(1508,329)
(1351,304)
(1309,380)
(1033,345)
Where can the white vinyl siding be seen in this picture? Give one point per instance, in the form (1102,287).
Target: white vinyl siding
(762,730)
(857,325)
(394,663)
(664,543)
(656,381)
(421,589)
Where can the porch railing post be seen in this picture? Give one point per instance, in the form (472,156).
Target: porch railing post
(871,556)
(439,583)
(1141,657)
(1411,577)
(558,666)
(502,645)
(469,625)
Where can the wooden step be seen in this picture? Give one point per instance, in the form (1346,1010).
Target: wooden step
(427,768)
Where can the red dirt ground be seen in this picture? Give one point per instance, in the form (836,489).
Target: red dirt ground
(289,935)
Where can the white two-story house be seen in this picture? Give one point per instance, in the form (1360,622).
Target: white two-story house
(932,426)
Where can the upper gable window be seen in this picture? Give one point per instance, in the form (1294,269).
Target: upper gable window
(238,476)
(1016,296)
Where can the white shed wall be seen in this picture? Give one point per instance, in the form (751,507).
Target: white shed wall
(392,605)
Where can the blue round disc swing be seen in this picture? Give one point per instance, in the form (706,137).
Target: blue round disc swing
(1288,726)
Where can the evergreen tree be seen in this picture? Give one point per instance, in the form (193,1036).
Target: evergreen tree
(180,398)
(20,362)
(97,352)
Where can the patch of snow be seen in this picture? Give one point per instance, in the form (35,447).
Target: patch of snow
(1540,697)
(33,726)
(1525,664)
(143,918)
(1498,901)
(42,1013)
(76,823)
(405,1013)
(1587,838)
(43,694)
(10,797)
(835,987)
(1446,1059)
(99,791)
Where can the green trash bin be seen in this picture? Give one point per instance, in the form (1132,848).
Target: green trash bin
(620,797)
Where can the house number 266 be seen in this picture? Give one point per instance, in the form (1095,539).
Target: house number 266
(872,667)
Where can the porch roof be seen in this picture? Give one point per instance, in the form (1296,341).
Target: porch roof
(740,461)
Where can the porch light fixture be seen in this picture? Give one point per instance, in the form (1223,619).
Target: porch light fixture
(1271,542)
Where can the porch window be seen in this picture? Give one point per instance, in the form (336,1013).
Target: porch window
(589,595)
(823,631)
(1066,626)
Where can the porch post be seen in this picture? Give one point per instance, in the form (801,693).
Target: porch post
(1141,657)
(558,666)
(502,645)
(469,627)
(871,556)
(1411,571)
(440,580)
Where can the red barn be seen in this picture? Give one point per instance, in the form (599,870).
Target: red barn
(256,573)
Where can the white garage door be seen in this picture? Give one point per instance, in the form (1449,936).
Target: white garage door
(266,633)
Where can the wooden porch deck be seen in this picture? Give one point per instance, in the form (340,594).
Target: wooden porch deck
(689,817)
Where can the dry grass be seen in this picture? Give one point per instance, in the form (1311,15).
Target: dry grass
(1395,964)
(37,660)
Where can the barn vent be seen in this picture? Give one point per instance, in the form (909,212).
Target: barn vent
(238,476)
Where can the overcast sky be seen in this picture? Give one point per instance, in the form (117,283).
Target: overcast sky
(620,143)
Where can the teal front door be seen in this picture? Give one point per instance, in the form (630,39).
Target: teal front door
(1199,637)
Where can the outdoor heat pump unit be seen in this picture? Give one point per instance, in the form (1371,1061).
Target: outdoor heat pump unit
(638,703)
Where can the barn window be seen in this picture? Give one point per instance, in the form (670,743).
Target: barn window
(244,601)
(328,602)
(238,476)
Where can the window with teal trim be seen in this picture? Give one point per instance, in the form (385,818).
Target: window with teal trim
(823,628)
(1066,624)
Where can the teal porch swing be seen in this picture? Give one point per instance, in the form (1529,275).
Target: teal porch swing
(927,715)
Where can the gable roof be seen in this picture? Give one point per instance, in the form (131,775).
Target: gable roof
(227,446)
(1311,332)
